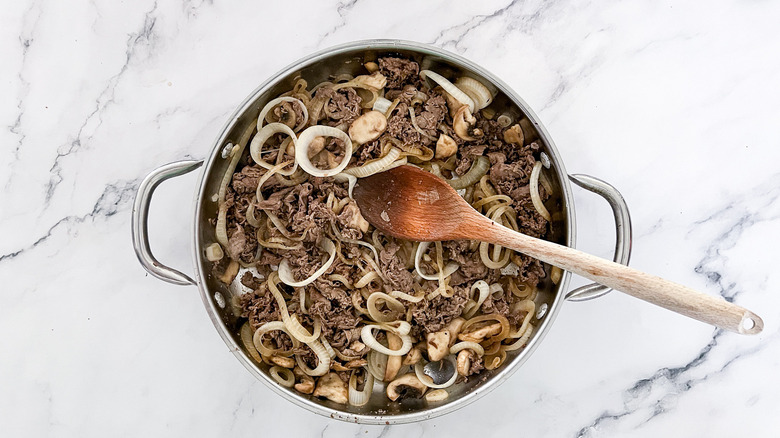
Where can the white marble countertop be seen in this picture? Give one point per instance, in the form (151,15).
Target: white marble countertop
(675,104)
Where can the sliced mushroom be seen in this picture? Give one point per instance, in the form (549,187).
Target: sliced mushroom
(445,146)
(376,80)
(337,366)
(406,386)
(463,363)
(394,342)
(481,333)
(438,345)
(454,327)
(463,122)
(332,388)
(371,66)
(452,104)
(230,273)
(368,127)
(315,147)
(514,135)
(356,363)
(412,357)
(356,220)
(284,362)
(306,384)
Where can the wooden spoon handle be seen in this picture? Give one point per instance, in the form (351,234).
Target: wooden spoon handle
(655,290)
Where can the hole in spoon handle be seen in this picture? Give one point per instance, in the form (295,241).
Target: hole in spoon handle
(751,324)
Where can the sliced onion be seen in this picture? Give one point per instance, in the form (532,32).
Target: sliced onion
(463,345)
(255,149)
(382,105)
(407,297)
(377,364)
(367,336)
(393,304)
(476,90)
(323,360)
(328,348)
(366,279)
(535,198)
(437,395)
(283,376)
(484,291)
(520,342)
(286,275)
(236,152)
(398,327)
(478,169)
(214,252)
(299,332)
(427,381)
(374,166)
(449,87)
(529,307)
(257,338)
(350,179)
(359,398)
(305,139)
(249,344)
(446,272)
(270,105)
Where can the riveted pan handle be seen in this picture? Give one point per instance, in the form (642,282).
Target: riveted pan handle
(622,230)
(140,221)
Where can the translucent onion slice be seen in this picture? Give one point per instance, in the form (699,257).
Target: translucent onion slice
(283,376)
(374,166)
(398,327)
(257,338)
(359,398)
(286,275)
(463,345)
(377,364)
(328,348)
(382,105)
(256,147)
(478,169)
(323,360)
(299,332)
(477,91)
(535,198)
(484,291)
(302,149)
(236,152)
(520,342)
(446,272)
(407,297)
(449,87)
(249,344)
(393,304)
(367,336)
(270,105)
(529,307)
(350,179)
(427,381)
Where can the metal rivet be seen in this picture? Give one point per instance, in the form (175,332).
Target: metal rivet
(226,150)
(542,311)
(545,160)
(219,299)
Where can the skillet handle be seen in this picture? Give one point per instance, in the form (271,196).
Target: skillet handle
(140,221)
(622,229)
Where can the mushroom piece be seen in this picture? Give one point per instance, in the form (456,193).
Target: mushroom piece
(356,220)
(376,80)
(230,272)
(438,345)
(445,146)
(463,122)
(412,357)
(284,362)
(406,386)
(306,384)
(371,66)
(481,333)
(514,135)
(356,363)
(332,388)
(368,127)
(315,147)
(463,363)
(394,342)
(454,327)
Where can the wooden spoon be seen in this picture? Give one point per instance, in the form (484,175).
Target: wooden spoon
(412,204)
